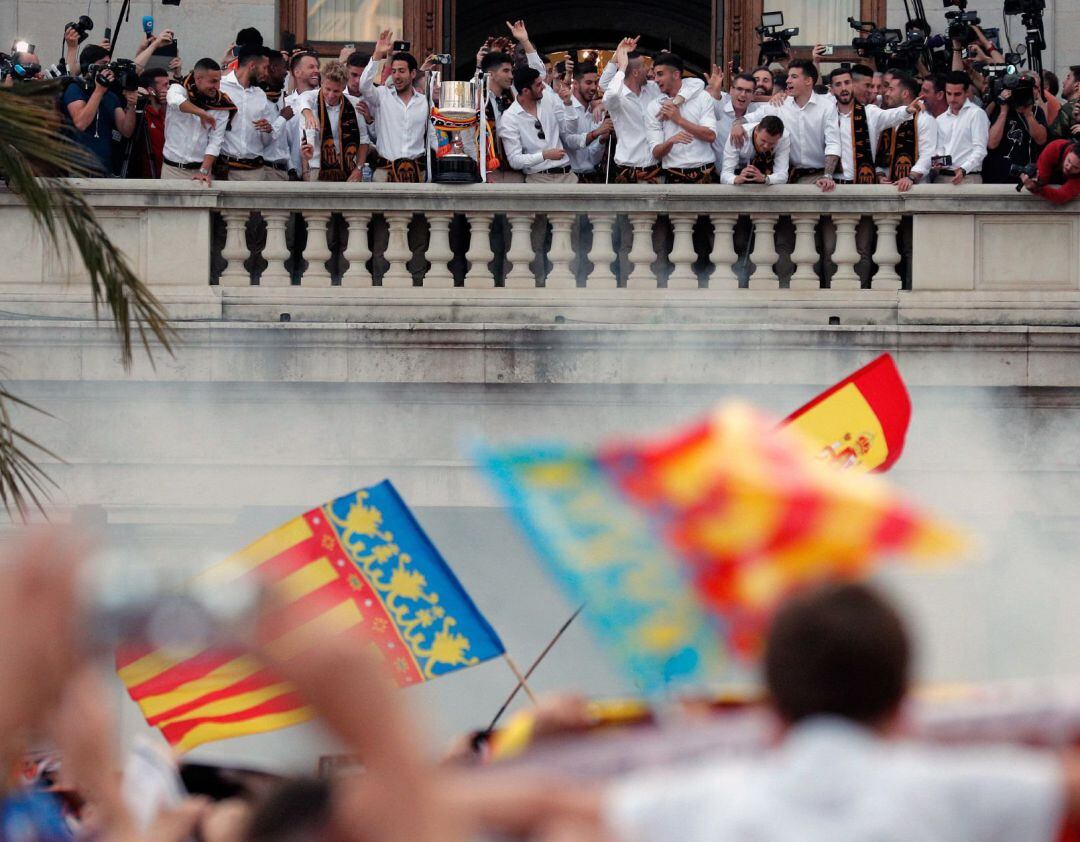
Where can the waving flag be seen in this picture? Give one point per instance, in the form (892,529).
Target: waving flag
(360,564)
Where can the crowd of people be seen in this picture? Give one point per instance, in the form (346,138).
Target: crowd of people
(265,114)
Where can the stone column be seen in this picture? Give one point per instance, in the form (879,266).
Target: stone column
(847,254)
(805,254)
(439,253)
(276,252)
(317,251)
(479,275)
(602,253)
(764,254)
(723,255)
(682,252)
(562,252)
(398,252)
(641,253)
(235,250)
(887,255)
(358,251)
(520,252)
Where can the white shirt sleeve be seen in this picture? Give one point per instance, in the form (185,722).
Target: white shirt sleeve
(888,118)
(217,134)
(613,92)
(832,135)
(731,161)
(511,141)
(927,145)
(978,138)
(610,70)
(654,130)
(780,162)
(176,96)
(533,60)
(367,83)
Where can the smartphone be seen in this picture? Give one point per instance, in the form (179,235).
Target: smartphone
(941,161)
(402,46)
(828,50)
(312,137)
(442,58)
(107,34)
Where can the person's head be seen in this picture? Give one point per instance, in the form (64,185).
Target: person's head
(93,55)
(877,83)
(30,64)
(586,81)
(933,92)
(335,76)
(529,86)
(1071,85)
(207,75)
(863,88)
(355,64)
(403,69)
(668,72)
(249,37)
(636,71)
(763,81)
(742,91)
(298,810)
(842,86)
(1050,83)
(768,133)
(837,650)
(252,65)
(499,68)
(304,68)
(155,82)
(277,70)
(902,90)
(801,78)
(1070,162)
(956,90)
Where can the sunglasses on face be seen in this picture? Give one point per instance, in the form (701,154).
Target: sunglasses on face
(539,130)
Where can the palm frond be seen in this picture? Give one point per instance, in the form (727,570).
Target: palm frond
(23,482)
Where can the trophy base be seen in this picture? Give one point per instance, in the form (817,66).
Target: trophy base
(455,169)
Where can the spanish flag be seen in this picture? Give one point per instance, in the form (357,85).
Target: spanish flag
(360,564)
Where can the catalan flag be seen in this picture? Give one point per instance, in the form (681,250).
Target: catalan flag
(682,547)
(360,564)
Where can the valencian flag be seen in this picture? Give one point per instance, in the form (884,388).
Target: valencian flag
(677,544)
(862,420)
(360,564)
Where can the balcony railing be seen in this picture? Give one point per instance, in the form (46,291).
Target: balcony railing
(431,242)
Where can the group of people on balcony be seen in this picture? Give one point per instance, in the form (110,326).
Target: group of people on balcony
(263,114)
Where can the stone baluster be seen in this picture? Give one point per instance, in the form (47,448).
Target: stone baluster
(805,254)
(357,251)
(642,254)
(847,254)
(562,252)
(439,253)
(887,254)
(520,252)
(723,254)
(602,253)
(276,252)
(317,251)
(479,255)
(682,252)
(235,250)
(398,252)
(764,254)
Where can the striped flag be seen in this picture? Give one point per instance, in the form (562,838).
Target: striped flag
(360,564)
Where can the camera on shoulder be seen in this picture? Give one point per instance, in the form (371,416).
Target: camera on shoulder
(125,76)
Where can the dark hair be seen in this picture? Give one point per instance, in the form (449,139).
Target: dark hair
(496,59)
(838,649)
(633,54)
(249,53)
(759,69)
(584,69)
(298,808)
(1050,82)
(670,60)
(908,83)
(921,24)
(840,71)
(772,124)
(938,81)
(408,58)
(862,70)
(295,60)
(745,77)
(91,54)
(524,78)
(1074,69)
(147,77)
(806,66)
(958,77)
(249,37)
(357,59)
(205,65)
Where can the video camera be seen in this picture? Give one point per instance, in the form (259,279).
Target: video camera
(125,76)
(1005,77)
(875,43)
(775,40)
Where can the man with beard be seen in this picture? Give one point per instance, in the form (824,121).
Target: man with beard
(932,93)
(681,136)
(905,152)
(588,162)
(341,141)
(537,130)
(761,159)
(304,73)
(763,82)
(277,155)
(250,132)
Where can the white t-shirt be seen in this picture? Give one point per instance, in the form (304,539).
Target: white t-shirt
(832,781)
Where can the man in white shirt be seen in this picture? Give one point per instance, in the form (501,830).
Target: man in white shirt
(736,107)
(402,120)
(809,121)
(334,142)
(963,132)
(680,136)
(904,154)
(538,128)
(762,157)
(276,156)
(196,117)
(588,162)
(250,132)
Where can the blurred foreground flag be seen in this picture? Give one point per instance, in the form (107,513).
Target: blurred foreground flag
(862,421)
(360,564)
(681,548)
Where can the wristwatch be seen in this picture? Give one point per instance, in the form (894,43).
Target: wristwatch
(204,171)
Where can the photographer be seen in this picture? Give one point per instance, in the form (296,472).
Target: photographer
(1017,132)
(95,110)
(1067,124)
(1057,173)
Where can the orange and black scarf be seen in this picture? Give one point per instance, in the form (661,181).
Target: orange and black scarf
(860,143)
(501,103)
(898,149)
(220,103)
(406,170)
(332,166)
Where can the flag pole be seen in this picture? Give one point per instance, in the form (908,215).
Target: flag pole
(535,664)
(522,683)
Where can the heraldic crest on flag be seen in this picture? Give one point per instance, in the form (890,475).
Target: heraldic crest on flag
(361,565)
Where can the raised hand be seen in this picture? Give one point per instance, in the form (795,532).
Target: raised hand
(715,84)
(518,30)
(383,45)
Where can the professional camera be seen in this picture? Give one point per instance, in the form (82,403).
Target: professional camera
(960,24)
(125,76)
(9,67)
(874,42)
(83,26)
(1004,77)
(1030,170)
(775,40)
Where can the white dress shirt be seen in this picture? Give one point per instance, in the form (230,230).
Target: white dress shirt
(696,153)
(587,158)
(401,127)
(813,130)
(309,101)
(628,113)
(187,140)
(522,143)
(964,136)
(833,781)
(724,110)
(736,157)
(926,125)
(877,120)
(292,135)
(243,140)
(278,149)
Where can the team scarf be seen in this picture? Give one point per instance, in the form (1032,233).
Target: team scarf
(496,156)
(332,166)
(221,102)
(898,149)
(860,143)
